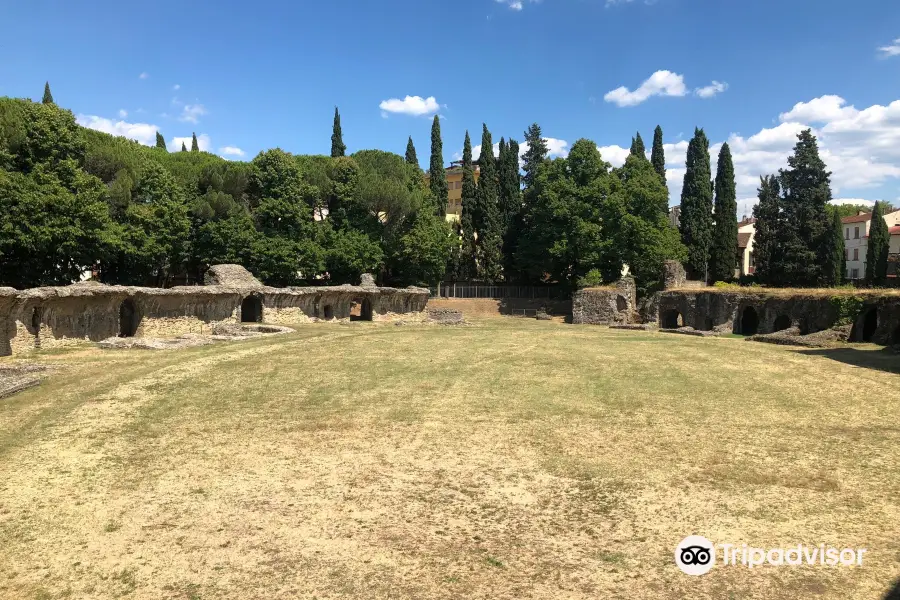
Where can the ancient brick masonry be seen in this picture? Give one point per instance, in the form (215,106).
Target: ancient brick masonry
(613,305)
(59,316)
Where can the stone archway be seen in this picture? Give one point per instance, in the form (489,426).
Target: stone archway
(749,321)
(328,311)
(782,322)
(251,310)
(870,324)
(672,319)
(128,318)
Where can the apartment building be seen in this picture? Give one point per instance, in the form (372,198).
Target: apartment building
(454,175)
(856,236)
(746,233)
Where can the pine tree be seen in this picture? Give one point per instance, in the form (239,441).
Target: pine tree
(337,137)
(535,156)
(183,147)
(697,205)
(469,207)
(877,251)
(725,236)
(806,187)
(637,146)
(48,97)
(658,155)
(160,141)
(195,147)
(487,214)
(833,270)
(411,157)
(766,249)
(437,178)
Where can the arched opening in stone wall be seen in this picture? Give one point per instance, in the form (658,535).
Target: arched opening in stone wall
(782,322)
(251,310)
(895,337)
(749,321)
(128,318)
(707,324)
(362,310)
(328,312)
(870,325)
(621,303)
(672,319)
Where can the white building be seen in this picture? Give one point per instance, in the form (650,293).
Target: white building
(856,236)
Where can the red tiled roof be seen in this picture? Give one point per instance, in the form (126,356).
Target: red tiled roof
(747,222)
(857,218)
(744,239)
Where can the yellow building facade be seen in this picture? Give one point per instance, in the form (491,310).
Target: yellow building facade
(454,175)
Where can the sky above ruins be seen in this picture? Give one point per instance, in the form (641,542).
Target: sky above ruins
(246,77)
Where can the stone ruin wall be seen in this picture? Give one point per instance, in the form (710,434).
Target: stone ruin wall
(612,305)
(86,312)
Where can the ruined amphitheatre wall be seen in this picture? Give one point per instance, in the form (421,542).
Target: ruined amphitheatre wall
(61,316)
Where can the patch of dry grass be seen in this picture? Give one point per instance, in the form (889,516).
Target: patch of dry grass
(511,459)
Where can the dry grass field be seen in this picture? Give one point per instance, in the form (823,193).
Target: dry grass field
(508,459)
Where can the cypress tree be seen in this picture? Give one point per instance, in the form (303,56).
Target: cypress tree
(437,178)
(877,251)
(767,213)
(806,187)
(48,97)
(469,207)
(487,214)
(183,147)
(697,205)
(534,157)
(195,147)
(411,157)
(637,146)
(725,235)
(160,141)
(508,176)
(833,270)
(337,136)
(658,155)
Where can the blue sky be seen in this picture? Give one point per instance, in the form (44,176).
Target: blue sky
(252,76)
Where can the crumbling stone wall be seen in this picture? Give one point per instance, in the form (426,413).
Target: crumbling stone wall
(612,305)
(58,316)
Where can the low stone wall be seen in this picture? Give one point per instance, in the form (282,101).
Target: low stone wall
(751,313)
(59,316)
(613,305)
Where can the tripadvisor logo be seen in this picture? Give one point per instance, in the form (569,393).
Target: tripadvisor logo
(696,555)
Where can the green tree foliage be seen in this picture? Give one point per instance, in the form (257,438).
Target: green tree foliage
(636,230)
(697,206)
(160,141)
(723,253)
(437,178)
(350,254)
(806,188)
(658,154)
(183,147)
(637,146)
(337,137)
(849,210)
(466,268)
(48,97)
(877,250)
(195,147)
(421,251)
(833,270)
(534,157)
(486,218)
(766,243)
(411,157)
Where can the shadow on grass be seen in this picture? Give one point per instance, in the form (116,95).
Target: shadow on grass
(882,360)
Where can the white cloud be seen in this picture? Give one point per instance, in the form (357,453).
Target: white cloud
(191,113)
(176,87)
(411,105)
(853,201)
(513,4)
(817,110)
(145,133)
(228,150)
(661,83)
(614,155)
(892,49)
(711,90)
(144,75)
(123,113)
(203,143)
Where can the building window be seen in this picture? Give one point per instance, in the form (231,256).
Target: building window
(856,254)
(854,274)
(846,233)
(846,254)
(752,260)
(856,233)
